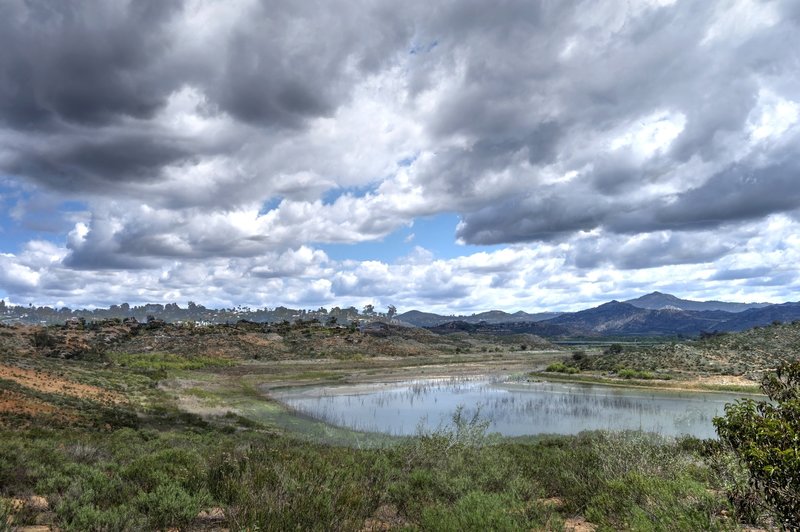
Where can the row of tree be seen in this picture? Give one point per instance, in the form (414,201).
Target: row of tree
(172,312)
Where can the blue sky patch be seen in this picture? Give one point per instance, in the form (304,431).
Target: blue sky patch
(434,233)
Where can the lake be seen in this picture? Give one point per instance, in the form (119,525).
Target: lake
(514,408)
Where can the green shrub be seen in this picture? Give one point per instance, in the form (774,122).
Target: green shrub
(635,374)
(560,367)
(474,511)
(79,516)
(167,361)
(764,436)
(170,505)
(614,349)
(638,501)
(734,479)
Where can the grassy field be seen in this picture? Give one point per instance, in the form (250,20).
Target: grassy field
(162,438)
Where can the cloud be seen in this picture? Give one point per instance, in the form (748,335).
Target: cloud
(610,137)
(648,250)
(528,277)
(85,62)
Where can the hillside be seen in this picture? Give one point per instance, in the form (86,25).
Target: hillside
(534,331)
(785,313)
(623,318)
(428,319)
(657,300)
(240,341)
(616,318)
(750,353)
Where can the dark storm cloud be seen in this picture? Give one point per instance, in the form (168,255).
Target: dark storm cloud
(99,164)
(548,215)
(741,192)
(648,250)
(738,193)
(86,62)
(289,61)
(82,83)
(785,278)
(663,59)
(741,273)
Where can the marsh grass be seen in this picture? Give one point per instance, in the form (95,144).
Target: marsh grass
(168,361)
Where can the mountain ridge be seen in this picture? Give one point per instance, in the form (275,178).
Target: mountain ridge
(658,300)
(630,317)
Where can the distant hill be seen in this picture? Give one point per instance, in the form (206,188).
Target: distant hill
(428,319)
(622,318)
(535,328)
(654,314)
(658,300)
(785,313)
(617,318)
(422,319)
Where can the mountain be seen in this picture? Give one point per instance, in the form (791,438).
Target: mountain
(784,313)
(623,318)
(428,319)
(658,300)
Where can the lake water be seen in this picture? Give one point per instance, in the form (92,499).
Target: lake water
(513,408)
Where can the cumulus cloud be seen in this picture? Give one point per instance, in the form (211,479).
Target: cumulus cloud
(233,139)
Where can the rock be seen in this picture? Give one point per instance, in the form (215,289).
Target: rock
(552,502)
(38,503)
(212,514)
(384,518)
(578,524)
(17,505)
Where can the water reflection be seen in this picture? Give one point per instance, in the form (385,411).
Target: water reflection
(513,408)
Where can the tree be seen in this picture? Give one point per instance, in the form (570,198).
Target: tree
(369,310)
(392,311)
(765,436)
(614,349)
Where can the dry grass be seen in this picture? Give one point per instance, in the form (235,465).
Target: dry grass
(48,383)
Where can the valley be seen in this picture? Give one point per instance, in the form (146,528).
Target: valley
(156,425)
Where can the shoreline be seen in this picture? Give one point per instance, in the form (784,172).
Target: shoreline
(655,384)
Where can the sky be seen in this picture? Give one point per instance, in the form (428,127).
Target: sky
(452,156)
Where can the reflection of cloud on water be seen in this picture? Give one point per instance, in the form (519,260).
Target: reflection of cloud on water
(513,410)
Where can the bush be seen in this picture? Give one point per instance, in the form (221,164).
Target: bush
(474,511)
(613,349)
(635,374)
(170,505)
(560,367)
(640,502)
(764,436)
